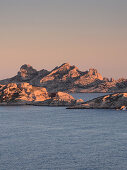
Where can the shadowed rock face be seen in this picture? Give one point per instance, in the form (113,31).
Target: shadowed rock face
(24,93)
(26,73)
(112,101)
(67,78)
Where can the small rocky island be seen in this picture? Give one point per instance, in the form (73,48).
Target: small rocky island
(26,94)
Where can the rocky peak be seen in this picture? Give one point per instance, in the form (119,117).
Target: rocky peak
(67,66)
(27,72)
(94,72)
(63,68)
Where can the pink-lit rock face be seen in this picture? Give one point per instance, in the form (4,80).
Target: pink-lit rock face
(62,73)
(62,98)
(68,78)
(59,99)
(24,93)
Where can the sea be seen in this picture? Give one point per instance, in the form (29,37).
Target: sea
(55,138)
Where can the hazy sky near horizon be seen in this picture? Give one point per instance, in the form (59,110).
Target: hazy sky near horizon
(47,33)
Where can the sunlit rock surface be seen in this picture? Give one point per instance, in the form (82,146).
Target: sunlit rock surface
(60,99)
(67,78)
(24,93)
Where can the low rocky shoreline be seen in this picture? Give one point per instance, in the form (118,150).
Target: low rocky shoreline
(20,94)
(111,101)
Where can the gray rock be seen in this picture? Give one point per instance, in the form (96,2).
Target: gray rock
(111,101)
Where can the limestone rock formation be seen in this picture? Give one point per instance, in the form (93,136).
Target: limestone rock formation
(67,78)
(61,78)
(111,101)
(27,74)
(24,93)
(59,99)
(90,79)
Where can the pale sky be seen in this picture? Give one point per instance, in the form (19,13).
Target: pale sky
(47,33)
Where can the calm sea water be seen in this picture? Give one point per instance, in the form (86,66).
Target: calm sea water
(53,138)
(87,96)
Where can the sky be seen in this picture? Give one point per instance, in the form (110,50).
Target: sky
(47,33)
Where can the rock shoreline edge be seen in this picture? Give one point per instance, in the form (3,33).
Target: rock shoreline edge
(117,101)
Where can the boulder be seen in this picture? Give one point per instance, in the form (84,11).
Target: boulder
(123,108)
(79,101)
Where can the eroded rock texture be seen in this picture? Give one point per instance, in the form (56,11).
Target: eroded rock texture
(67,78)
(24,93)
(111,101)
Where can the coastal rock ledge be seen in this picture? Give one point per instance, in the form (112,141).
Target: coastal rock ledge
(111,101)
(26,94)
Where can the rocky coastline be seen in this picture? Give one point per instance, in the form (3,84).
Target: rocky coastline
(20,94)
(116,101)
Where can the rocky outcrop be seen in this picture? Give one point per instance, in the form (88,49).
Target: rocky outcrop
(26,73)
(112,101)
(61,78)
(67,78)
(24,93)
(59,99)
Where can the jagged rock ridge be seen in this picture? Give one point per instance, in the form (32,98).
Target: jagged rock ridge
(67,78)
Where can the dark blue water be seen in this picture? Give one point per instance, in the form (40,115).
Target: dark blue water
(87,96)
(53,138)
